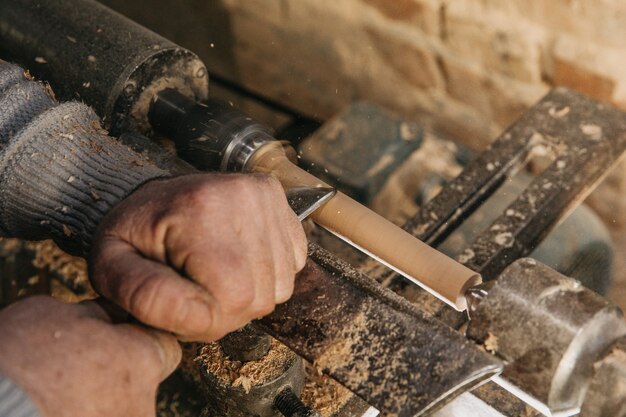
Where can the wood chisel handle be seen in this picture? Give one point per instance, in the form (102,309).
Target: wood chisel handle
(373,234)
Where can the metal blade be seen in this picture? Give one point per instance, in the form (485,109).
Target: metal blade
(305,200)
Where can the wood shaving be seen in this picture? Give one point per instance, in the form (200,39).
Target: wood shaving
(491,343)
(212,359)
(70,270)
(323,393)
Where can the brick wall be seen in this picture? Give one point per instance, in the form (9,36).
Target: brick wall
(466,68)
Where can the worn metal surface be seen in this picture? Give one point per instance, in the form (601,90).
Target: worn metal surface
(86,50)
(359,148)
(606,395)
(587,137)
(222,398)
(305,200)
(549,329)
(246,344)
(375,343)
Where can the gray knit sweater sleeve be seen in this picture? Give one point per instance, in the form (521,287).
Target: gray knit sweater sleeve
(13,401)
(60,172)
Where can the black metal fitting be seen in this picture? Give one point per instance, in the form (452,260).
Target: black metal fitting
(246,344)
(87,50)
(288,403)
(212,135)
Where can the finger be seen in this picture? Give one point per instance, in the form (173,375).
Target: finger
(163,347)
(264,281)
(115,313)
(290,251)
(152,292)
(94,310)
(299,242)
(290,223)
(297,249)
(231,282)
(285,265)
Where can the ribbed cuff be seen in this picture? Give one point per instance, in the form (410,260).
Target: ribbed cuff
(61,174)
(20,101)
(13,401)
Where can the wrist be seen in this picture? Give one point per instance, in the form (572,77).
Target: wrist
(62,174)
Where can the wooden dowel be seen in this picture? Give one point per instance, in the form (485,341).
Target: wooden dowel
(375,235)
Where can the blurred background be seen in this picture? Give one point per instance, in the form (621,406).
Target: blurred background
(463,69)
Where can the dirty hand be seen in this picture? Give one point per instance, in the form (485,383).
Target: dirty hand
(200,255)
(73,362)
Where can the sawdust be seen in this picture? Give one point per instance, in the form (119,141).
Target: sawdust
(491,343)
(341,352)
(70,270)
(9,246)
(212,359)
(323,393)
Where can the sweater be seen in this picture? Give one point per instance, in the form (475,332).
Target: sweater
(60,173)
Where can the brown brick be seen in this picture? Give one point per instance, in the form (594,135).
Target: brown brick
(397,9)
(421,14)
(463,124)
(413,61)
(496,98)
(466,84)
(509,48)
(570,74)
(592,20)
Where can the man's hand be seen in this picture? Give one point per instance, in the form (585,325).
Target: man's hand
(73,362)
(200,255)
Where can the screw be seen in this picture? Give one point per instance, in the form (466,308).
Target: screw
(288,403)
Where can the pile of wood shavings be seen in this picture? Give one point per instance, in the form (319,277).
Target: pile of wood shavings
(248,374)
(70,270)
(324,394)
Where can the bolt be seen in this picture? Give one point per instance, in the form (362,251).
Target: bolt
(200,72)
(288,403)
(246,344)
(130,88)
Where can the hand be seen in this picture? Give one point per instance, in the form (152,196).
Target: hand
(200,255)
(73,362)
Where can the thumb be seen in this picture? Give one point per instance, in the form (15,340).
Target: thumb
(166,348)
(152,292)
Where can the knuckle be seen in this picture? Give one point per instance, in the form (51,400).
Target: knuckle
(264,308)
(240,300)
(244,183)
(300,252)
(272,182)
(284,287)
(196,194)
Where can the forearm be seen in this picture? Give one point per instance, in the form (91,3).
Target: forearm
(13,401)
(60,173)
